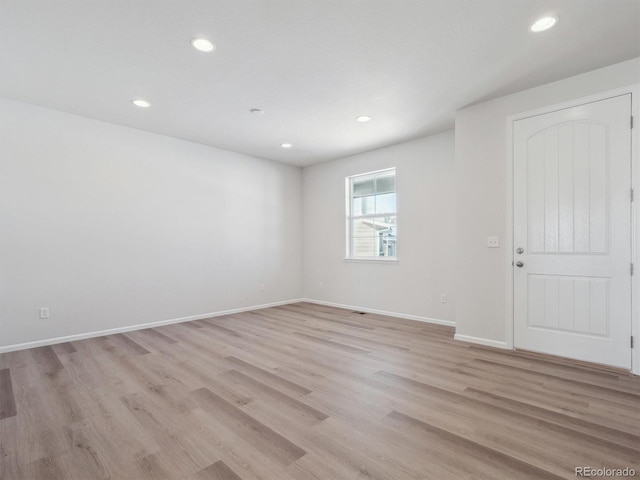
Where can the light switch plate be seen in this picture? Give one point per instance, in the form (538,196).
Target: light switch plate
(493,242)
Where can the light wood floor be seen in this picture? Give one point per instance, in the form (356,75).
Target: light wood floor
(307,392)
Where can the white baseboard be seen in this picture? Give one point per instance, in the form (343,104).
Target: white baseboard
(481,341)
(417,318)
(141,326)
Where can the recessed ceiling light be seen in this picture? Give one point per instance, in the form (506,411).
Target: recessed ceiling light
(141,103)
(256,111)
(286,145)
(363,118)
(543,24)
(202,44)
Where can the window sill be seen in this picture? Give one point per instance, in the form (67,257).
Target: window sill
(371,260)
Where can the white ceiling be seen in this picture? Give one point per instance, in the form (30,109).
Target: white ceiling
(313,66)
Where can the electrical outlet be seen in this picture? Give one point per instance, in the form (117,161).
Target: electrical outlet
(443,298)
(44,312)
(321,284)
(493,242)
(262,287)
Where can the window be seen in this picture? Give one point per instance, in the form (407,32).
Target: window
(371,216)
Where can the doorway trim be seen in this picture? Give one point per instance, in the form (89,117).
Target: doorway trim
(634,91)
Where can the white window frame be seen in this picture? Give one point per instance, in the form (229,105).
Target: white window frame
(350,218)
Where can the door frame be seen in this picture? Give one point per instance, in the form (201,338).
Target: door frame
(634,91)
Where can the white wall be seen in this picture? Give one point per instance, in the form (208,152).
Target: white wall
(481,186)
(111,227)
(426,232)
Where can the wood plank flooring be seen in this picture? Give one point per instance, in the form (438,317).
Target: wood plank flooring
(308,392)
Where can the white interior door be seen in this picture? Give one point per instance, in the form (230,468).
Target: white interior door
(572,232)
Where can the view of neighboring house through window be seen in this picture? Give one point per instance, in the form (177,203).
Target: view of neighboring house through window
(371,215)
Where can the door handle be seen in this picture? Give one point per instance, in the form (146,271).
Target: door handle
(519,264)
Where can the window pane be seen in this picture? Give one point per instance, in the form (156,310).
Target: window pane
(386,183)
(363,206)
(386,230)
(363,186)
(374,237)
(387,247)
(386,203)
